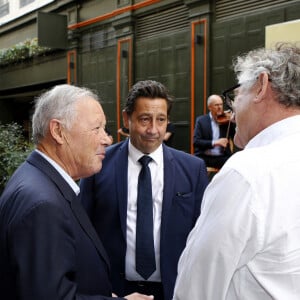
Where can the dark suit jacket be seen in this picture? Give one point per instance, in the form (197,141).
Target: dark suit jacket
(203,135)
(105,197)
(48,251)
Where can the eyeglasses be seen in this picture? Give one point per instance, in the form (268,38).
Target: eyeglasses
(229,95)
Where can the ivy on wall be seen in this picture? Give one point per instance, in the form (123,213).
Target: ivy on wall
(14,149)
(21,51)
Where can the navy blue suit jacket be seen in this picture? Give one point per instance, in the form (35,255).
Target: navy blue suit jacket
(203,135)
(104,196)
(48,247)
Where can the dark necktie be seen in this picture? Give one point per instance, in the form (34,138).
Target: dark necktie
(145,256)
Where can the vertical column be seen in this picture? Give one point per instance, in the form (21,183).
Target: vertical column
(124,75)
(198,72)
(72,67)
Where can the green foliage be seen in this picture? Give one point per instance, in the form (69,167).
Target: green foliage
(13,150)
(21,51)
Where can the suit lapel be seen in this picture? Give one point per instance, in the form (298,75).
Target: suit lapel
(121,170)
(208,120)
(87,226)
(39,162)
(169,175)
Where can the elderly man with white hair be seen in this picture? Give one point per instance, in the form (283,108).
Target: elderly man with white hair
(246,242)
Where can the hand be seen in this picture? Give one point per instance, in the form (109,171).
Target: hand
(221,142)
(137,296)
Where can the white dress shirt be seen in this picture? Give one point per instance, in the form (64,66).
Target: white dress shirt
(216,150)
(246,242)
(157,177)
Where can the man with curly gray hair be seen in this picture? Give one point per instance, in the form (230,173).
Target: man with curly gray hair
(246,242)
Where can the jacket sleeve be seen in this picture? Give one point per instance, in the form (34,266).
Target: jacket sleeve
(200,138)
(43,252)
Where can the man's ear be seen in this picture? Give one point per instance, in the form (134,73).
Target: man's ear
(125,119)
(56,131)
(263,83)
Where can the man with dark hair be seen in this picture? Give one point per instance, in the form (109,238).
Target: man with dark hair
(116,198)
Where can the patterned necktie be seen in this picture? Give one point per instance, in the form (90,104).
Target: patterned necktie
(145,255)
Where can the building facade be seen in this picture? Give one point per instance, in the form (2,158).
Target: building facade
(110,44)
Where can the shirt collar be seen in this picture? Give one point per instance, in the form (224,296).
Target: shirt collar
(62,172)
(136,154)
(275,131)
(211,118)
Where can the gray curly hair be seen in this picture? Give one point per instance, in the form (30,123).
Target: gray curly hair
(282,64)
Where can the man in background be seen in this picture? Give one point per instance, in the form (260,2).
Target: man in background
(212,134)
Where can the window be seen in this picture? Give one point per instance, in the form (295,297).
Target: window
(122,2)
(25,2)
(4,8)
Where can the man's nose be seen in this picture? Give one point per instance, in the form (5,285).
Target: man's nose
(152,127)
(104,138)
